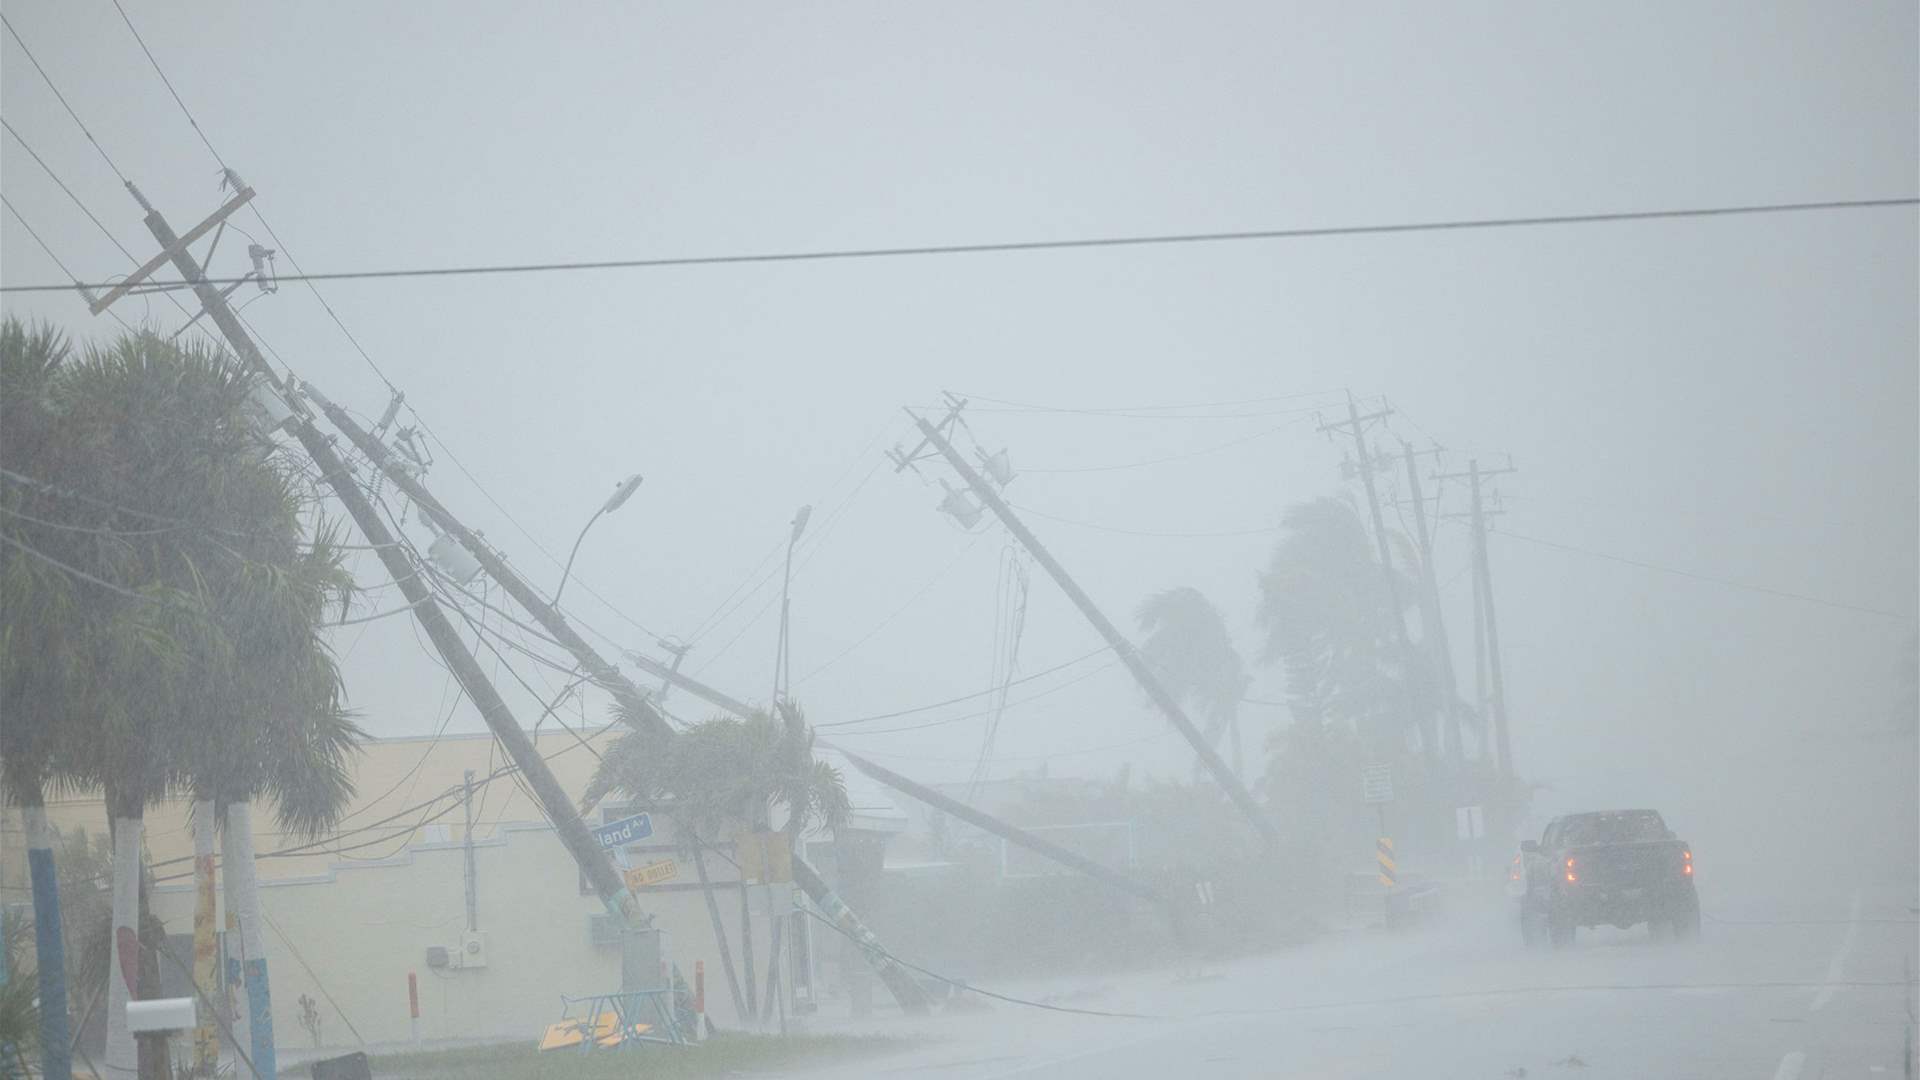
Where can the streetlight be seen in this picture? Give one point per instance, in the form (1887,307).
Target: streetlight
(786,583)
(621,493)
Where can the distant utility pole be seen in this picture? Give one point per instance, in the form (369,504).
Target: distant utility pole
(553,798)
(931,435)
(1483,598)
(1356,425)
(1433,623)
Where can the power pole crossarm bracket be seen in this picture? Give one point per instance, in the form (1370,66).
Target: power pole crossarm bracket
(240,199)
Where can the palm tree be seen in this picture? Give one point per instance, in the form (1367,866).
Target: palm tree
(716,776)
(190,521)
(1189,645)
(60,635)
(274,727)
(1329,624)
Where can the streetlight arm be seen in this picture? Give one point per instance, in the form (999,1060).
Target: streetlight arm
(571,554)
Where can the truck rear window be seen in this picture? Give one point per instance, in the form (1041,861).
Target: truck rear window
(1622,827)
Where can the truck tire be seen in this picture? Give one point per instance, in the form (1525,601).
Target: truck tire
(1533,932)
(1560,930)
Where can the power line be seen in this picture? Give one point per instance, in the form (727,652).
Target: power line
(965,697)
(62,184)
(1161,240)
(169,85)
(1729,582)
(76,286)
(18,40)
(896,613)
(1141,532)
(82,575)
(1082,677)
(1216,448)
(1024,406)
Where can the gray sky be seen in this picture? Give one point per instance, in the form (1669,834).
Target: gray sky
(1733,397)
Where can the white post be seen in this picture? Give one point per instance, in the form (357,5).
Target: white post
(254,967)
(123,972)
(234,973)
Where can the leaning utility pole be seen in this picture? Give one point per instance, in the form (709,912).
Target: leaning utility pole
(905,989)
(1433,624)
(593,861)
(1123,648)
(617,682)
(1355,423)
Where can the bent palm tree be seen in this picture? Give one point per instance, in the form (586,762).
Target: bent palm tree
(1329,624)
(716,776)
(1189,644)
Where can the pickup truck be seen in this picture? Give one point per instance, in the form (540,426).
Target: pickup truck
(1610,867)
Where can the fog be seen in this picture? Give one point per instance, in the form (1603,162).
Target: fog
(1705,562)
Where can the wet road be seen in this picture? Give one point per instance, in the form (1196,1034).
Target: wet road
(1812,990)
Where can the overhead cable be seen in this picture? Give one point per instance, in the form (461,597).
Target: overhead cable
(1155,240)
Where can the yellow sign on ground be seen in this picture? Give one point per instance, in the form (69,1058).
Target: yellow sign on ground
(651,874)
(571,1033)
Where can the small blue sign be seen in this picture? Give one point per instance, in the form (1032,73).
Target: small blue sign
(625,831)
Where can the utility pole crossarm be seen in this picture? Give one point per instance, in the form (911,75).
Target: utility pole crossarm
(167,253)
(1121,646)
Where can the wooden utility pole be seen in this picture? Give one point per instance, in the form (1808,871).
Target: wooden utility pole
(905,989)
(1433,623)
(573,833)
(1123,648)
(1489,625)
(1356,424)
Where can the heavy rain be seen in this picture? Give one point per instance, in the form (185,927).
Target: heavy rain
(959,541)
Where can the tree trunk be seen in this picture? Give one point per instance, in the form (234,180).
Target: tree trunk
(50,946)
(123,971)
(719,926)
(774,927)
(254,946)
(234,993)
(206,973)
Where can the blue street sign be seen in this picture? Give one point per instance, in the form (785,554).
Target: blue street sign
(625,831)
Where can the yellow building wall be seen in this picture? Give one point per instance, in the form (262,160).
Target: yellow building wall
(349,918)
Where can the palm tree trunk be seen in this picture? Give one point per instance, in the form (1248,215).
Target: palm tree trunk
(50,947)
(773,961)
(123,972)
(206,974)
(746,953)
(234,987)
(719,927)
(254,966)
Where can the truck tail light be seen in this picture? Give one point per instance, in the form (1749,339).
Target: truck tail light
(1571,876)
(1513,871)
(1686,863)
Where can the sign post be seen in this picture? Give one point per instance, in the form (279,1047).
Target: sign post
(1376,787)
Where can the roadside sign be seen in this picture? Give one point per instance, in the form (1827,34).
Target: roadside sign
(1471,822)
(652,874)
(1376,783)
(764,856)
(630,830)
